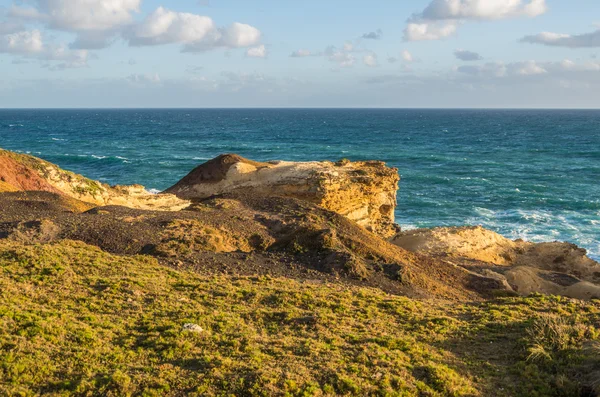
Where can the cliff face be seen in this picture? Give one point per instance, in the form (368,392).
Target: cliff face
(364,192)
(19,172)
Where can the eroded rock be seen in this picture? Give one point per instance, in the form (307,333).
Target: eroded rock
(19,172)
(554,268)
(364,192)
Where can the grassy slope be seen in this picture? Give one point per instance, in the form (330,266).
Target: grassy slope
(75,320)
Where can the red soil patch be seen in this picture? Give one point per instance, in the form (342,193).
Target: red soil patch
(22,177)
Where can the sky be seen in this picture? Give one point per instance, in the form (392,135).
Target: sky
(284,53)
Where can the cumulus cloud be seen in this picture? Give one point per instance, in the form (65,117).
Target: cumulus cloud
(343,57)
(483,9)
(465,55)
(441,18)
(370,60)
(98,23)
(95,22)
(429,30)
(376,35)
(25,42)
(257,52)
(30,44)
(196,32)
(165,27)
(83,15)
(565,40)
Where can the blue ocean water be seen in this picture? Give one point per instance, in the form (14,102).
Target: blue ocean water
(533,174)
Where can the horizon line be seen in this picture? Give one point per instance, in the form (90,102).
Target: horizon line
(295,108)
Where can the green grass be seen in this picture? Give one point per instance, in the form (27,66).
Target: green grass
(77,321)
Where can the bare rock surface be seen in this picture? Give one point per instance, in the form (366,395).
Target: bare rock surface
(20,172)
(555,268)
(364,192)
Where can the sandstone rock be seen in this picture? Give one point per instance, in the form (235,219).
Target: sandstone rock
(364,192)
(19,172)
(466,242)
(526,280)
(550,268)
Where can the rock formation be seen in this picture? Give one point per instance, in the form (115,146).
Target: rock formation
(19,172)
(302,220)
(553,268)
(364,192)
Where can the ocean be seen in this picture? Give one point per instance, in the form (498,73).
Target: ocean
(531,174)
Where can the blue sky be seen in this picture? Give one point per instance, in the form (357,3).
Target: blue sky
(227,53)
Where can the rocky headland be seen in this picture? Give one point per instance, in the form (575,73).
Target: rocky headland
(329,224)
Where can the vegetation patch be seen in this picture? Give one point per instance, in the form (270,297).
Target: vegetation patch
(75,320)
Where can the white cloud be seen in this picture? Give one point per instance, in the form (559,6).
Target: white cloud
(528,68)
(25,42)
(422,31)
(165,27)
(370,60)
(80,15)
(465,55)
(196,32)
(301,53)
(565,40)
(441,18)
(257,52)
(342,57)
(30,44)
(96,22)
(407,56)
(483,9)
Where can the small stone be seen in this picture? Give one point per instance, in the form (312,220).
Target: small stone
(192,328)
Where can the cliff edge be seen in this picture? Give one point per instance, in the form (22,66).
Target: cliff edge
(21,172)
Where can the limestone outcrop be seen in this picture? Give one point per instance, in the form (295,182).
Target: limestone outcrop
(20,172)
(555,268)
(363,191)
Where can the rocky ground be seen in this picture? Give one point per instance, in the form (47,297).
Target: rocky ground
(256,255)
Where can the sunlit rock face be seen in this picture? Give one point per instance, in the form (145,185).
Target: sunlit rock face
(364,191)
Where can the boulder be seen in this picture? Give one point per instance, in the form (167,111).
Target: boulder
(363,191)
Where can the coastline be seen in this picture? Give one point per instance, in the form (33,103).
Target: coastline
(243,268)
